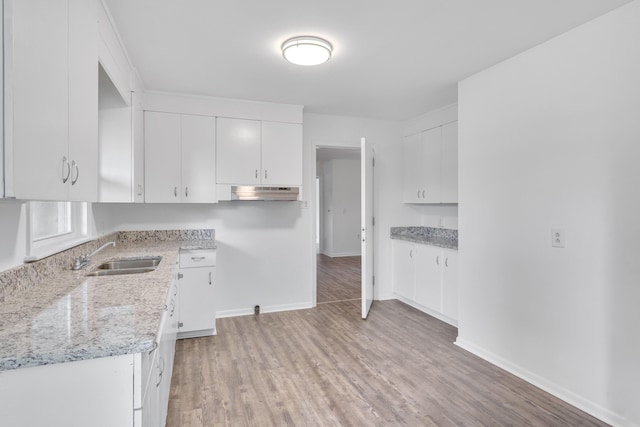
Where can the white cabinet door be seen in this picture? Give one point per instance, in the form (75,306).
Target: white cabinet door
(238,151)
(162,157)
(83,101)
(403,268)
(281,154)
(450,284)
(413,165)
(429,276)
(198,159)
(197,299)
(450,163)
(38,77)
(432,164)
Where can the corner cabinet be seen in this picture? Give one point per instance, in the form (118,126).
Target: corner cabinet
(180,158)
(51,99)
(430,159)
(251,152)
(197,276)
(426,278)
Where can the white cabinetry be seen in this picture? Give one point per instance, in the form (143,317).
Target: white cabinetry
(254,152)
(197,315)
(430,172)
(51,100)
(425,277)
(179,158)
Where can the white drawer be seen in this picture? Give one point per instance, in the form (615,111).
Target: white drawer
(197,258)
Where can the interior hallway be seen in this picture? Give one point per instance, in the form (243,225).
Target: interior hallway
(339,279)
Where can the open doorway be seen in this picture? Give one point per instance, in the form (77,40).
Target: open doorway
(338,226)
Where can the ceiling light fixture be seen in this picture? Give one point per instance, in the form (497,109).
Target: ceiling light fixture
(306,50)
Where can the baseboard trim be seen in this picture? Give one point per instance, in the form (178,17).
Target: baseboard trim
(196,334)
(263,309)
(427,310)
(341,254)
(550,387)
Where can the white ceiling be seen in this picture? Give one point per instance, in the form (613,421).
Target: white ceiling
(392,59)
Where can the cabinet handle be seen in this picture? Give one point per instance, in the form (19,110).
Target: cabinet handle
(197,258)
(139,189)
(74,165)
(210,282)
(65,162)
(173,308)
(423,194)
(438,260)
(175,191)
(410,253)
(418,194)
(186,191)
(256,173)
(265,174)
(446,262)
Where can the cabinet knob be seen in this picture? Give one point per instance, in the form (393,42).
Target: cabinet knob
(65,161)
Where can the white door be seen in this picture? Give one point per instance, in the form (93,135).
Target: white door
(366,181)
(162,157)
(238,145)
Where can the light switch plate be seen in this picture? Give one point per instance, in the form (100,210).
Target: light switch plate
(558,237)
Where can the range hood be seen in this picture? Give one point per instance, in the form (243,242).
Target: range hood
(246,192)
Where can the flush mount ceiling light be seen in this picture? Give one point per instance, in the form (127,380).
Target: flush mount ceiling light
(306,50)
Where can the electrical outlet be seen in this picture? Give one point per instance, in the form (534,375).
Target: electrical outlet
(558,237)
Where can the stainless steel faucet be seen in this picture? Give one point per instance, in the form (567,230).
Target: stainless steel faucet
(80,262)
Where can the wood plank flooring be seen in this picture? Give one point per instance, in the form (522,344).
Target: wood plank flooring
(327,367)
(338,278)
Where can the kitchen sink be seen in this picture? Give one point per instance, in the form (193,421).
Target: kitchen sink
(142,262)
(127,266)
(121,271)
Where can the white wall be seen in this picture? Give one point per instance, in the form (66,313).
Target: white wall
(13,233)
(263,247)
(341,196)
(551,138)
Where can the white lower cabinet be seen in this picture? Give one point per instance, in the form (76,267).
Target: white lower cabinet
(426,277)
(126,390)
(197,275)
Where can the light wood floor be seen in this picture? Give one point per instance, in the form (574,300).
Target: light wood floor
(327,367)
(338,278)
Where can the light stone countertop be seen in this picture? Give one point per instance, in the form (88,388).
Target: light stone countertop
(69,316)
(441,237)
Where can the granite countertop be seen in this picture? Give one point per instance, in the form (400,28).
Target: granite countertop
(69,316)
(441,237)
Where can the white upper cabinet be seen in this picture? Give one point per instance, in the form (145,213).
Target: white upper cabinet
(198,154)
(238,151)
(179,158)
(431,166)
(281,154)
(83,100)
(51,100)
(253,152)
